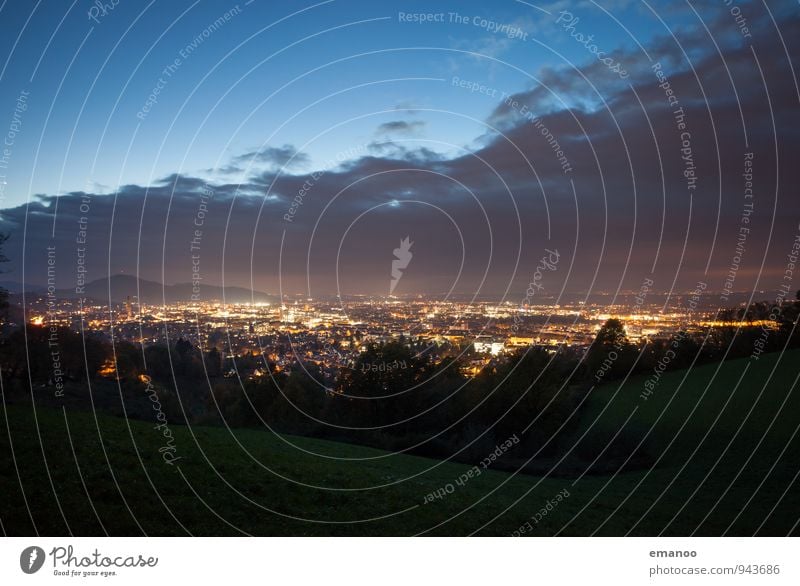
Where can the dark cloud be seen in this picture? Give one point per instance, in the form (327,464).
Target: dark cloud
(286,157)
(392,150)
(400,127)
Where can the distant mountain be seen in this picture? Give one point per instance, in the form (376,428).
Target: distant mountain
(17,287)
(152,293)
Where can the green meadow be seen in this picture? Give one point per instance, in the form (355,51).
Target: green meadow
(712,451)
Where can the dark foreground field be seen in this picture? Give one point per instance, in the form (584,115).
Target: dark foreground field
(720,459)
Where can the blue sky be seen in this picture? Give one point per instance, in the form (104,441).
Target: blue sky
(88,80)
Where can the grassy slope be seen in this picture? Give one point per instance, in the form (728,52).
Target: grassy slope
(735,430)
(651,504)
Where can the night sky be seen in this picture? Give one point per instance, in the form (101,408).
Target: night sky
(291,146)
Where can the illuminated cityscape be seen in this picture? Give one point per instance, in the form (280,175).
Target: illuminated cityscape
(331,333)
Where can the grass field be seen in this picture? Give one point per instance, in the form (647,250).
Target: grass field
(722,458)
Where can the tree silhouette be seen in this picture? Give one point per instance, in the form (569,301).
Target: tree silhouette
(612,333)
(611,354)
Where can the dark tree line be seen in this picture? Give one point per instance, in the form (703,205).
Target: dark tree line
(613,356)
